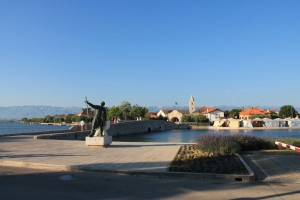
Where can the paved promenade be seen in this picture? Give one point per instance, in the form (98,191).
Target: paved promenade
(274,167)
(141,157)
(23,151)
(279,172)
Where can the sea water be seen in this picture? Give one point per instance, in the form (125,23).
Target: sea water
(15,128)
(190,136)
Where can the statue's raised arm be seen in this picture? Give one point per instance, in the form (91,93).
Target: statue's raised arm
(92,105)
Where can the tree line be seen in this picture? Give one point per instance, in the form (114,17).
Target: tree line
(125,111)
(286,111)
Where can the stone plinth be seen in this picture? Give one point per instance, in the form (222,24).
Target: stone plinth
(104,141)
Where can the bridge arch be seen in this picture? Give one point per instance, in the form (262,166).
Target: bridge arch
(174,119)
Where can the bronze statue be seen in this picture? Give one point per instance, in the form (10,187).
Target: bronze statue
(99,118)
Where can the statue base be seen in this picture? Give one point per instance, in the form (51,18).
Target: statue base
(104,141)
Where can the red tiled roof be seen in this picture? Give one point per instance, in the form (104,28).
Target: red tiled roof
(209,110)
(254,111)
(205,110)
(165,111)
(153,115)
(202,109)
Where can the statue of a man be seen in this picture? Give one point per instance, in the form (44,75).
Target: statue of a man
(99,118)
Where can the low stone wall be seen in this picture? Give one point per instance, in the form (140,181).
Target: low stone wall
(143,127)
(37,133)
(77,135)
(124,128)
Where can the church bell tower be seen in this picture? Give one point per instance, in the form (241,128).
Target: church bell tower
(192,105)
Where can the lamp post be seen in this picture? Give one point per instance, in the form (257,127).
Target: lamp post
(87,110)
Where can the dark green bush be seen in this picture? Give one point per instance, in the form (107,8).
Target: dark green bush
(251,143)
(216,144)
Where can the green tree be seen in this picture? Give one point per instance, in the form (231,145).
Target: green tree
(69,118)
(200,118)
(125,108)
(25,120)
(259,116)
(75,118)
(147,116)
(138,111)
(114,112)
(274,115)
(187,118)
(194,118)
(58,119)
(235,113)
(287,111)
(48,119)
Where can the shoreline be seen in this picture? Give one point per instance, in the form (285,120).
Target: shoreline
(243,128)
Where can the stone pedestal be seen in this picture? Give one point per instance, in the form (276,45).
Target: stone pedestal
(98,140)
(104,141)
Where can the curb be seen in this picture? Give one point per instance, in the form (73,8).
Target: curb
(82,168)
(36,133)
(71,135)
(31,165)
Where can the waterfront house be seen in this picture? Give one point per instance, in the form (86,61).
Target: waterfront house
(153,115)
(212,114)
(247,114)
(163,113)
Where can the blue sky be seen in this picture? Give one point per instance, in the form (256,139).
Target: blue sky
(150,52)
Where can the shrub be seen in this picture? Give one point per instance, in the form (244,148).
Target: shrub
(216,144)
(250,143)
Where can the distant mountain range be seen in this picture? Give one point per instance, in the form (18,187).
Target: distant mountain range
(19,112)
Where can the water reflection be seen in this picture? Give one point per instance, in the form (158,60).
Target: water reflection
(187,136)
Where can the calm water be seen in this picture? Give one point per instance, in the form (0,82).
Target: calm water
(10,128)
(187,136)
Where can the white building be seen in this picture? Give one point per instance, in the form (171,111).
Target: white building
(213,114)
(163,113)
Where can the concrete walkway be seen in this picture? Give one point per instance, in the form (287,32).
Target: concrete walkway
(128,157)
(272,167)
(67,155)
(23,151)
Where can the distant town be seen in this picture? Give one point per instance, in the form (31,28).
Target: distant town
(285,116)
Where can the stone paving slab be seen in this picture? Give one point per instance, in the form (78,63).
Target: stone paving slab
(66,154)
(275,167)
